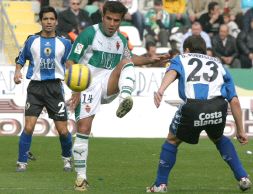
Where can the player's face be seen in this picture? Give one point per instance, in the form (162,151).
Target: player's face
(111,22)
(48,22)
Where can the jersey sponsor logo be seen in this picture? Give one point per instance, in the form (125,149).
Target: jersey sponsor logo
(47,63)
(208,119)
(79,48)
(108,60)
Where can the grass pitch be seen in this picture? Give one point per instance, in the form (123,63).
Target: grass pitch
(120,166)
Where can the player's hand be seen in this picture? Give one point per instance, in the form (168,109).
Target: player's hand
(17,77)
(242,137)
(74,101)
(158,98)
(162,59)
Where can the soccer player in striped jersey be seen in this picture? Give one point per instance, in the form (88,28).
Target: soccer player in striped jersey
(104,50)
(47,54)
(206,88)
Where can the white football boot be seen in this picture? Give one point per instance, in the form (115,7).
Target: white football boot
(162,188)
(245,184)
(67,164)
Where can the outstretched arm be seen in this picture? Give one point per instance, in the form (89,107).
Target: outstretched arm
(169,77)
(142,60)
(237,114)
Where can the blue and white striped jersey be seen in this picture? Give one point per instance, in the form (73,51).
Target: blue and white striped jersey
(202,77)
(47,57)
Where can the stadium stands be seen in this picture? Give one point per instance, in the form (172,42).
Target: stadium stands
(21,15)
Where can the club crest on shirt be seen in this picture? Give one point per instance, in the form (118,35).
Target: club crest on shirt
(47,51)
(87,108)
(117,45)
(79,48)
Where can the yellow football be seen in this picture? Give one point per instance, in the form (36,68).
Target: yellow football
(78,77)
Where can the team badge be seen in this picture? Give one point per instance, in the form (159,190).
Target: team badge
(117,45)
(87,108)
(78,49)
(47,51)
(27,106)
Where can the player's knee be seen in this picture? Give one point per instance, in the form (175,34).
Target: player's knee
(83,129)
(63,132)
(172,139)
(222,138)
(29,129)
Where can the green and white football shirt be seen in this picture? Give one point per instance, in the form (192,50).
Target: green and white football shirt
(97,50)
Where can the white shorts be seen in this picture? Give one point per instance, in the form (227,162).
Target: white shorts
(93,97)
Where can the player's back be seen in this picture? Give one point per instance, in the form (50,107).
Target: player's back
(200,76)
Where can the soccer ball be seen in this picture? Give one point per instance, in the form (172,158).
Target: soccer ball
(78,77)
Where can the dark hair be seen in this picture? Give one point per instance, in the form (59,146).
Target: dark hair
(150,44)
(46,10)
(173,52)
(195,44)
(211,6)
(114,7)
(212,51)
(158,2)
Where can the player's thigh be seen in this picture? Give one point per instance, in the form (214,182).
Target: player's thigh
(34,101)
(105,97)
(182,125)
(55,101)
(112,87)
(90,102)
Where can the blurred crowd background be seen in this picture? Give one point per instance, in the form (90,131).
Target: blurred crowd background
(152,27)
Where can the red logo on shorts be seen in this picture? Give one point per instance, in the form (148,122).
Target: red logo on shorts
(87,108)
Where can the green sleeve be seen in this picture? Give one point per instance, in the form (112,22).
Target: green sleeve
(81,43)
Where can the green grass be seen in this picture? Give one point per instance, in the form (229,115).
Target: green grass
(120,166)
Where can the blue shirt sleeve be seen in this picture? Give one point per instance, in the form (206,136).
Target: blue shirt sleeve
(175,64)
(228,89)
(25,53)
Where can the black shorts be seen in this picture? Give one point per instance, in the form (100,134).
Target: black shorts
(197,115)
(48,94)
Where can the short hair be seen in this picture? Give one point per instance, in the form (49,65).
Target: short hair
(195,44)
(211,6)
(115,7)
(174,52)
(47,9)
(158,2)
(150,44)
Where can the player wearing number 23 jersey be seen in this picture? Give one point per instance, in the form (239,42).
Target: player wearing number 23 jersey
(206,87)
(202,77)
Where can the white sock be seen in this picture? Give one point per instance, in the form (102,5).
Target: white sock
(127,80)
(80,154)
